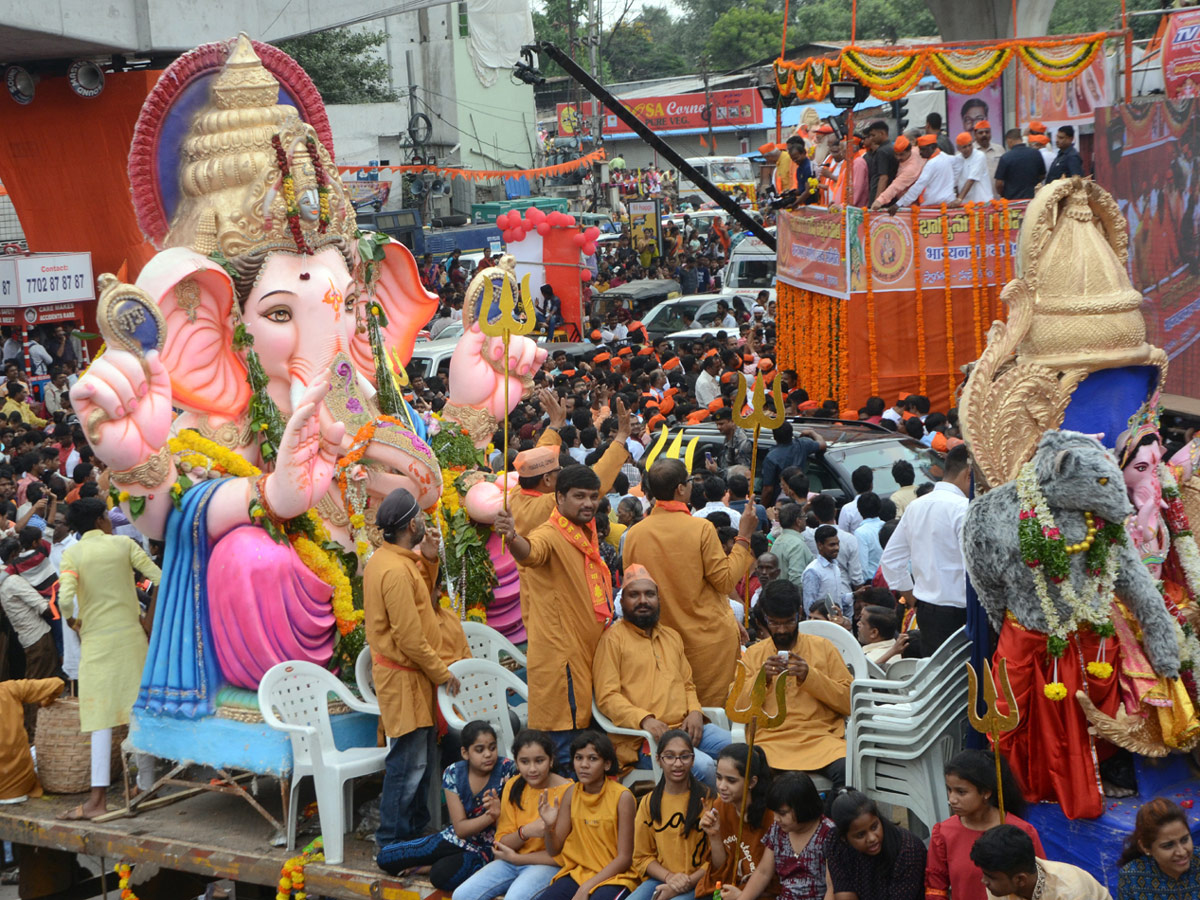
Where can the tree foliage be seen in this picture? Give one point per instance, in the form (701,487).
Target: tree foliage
(344,65)
(743,34)
(1088,16)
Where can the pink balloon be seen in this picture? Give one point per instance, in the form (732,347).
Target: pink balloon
(579,240)
(543,229)
(535,215)
(585,274)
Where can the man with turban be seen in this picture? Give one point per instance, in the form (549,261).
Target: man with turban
(566,589)
(642,679)
(935,185)
(412,640)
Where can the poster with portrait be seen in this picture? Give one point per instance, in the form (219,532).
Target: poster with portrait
(645,227)
(1057,103)
(965,111)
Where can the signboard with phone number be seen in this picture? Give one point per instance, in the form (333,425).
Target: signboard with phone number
(46,278)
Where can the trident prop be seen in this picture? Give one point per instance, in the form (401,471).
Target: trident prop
(505,326)
(757,418)
(992,723)
(749,716)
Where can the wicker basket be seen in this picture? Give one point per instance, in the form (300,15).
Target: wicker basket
(64,753)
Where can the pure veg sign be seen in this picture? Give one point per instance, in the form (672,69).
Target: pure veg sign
(676,112)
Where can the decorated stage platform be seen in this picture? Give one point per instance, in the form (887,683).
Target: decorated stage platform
(213,836)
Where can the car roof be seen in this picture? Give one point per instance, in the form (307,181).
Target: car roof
(835,432)
(429,348)
(643,286)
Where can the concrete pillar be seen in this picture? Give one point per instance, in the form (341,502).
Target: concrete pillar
(980,20)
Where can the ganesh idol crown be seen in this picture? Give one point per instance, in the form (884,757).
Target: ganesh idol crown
(249,401)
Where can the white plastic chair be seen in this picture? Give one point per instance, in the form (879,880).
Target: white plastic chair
(294,697)
(604,723)
(483,694)
(487,643)
(364,678)
(847,644)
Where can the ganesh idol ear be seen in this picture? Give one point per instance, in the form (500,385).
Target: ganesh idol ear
(195,296)
(406,305)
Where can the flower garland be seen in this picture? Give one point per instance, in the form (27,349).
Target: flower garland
(291,876)
(919,288)
(949,299)
(1005,225)
(1183,540)
(123,870)
(1047,554)
(322,182)
(289,196)
(872,356)
(976,244)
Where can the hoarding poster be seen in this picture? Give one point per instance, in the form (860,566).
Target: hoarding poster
(965,111)
(1149,160)
(1058,103)
(645,227)
(811,250)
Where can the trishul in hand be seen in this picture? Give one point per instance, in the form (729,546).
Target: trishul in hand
(750,716)
(993,723)
(505,325)
(757,418)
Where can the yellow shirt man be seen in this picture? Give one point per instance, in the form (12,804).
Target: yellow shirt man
(17,778)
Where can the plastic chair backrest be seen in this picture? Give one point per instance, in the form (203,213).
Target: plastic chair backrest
(364,677)
(845,642)
(483,694)
(487,643)
(297,693)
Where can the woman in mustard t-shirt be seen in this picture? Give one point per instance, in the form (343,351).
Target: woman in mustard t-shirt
(591,829)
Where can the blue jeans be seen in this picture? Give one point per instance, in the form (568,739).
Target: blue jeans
(645,891)
(449,864)
(503,878)
(713,740)
(403,806)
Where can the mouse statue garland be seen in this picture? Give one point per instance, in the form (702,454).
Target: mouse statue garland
(271,322)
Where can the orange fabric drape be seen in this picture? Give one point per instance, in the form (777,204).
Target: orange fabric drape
(64,160)
(483,174)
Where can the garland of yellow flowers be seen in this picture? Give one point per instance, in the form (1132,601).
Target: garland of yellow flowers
(992,263)
(919,287)
(976,244)
(949,300)
(872,356)
(1005,225)
(123,870)
(197,451)
(358,448)
(291,876)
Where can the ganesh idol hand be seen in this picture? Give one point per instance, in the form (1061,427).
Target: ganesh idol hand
(473,380)
(125,407)
(307,455)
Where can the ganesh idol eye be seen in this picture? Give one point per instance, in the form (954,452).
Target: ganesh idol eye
(279,314)
(351,299)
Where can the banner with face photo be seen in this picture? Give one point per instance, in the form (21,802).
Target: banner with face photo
(965,111)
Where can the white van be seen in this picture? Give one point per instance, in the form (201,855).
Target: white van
(751,265)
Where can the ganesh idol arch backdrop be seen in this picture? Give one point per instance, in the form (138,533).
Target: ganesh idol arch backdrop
(1072,361)
(261,293)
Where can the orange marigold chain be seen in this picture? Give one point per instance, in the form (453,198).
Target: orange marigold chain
(949,300)
(1005,226)
(919,288)
(868,272)
(976,301)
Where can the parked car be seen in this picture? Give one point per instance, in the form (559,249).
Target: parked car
(667,318)
(636,296)
(848,446)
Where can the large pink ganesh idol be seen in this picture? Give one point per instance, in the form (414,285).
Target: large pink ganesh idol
(265,299)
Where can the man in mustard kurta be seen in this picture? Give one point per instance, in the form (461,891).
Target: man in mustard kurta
(684,556)
(97,596)
(17,778)
(568,603)
(406,638)
(812,737)
(532,501)
(641,679)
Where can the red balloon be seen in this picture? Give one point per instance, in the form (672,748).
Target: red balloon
(585,275)
(579,240)
(536,216)
(570,221)
(502,221)
(589,249)
(592,233)
(543,229)
(556,219)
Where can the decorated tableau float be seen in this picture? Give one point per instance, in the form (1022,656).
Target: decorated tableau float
(250,402)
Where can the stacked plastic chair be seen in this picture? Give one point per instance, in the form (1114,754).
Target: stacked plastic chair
(902,731)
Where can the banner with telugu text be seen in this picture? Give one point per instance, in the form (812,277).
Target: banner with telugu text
(811,250)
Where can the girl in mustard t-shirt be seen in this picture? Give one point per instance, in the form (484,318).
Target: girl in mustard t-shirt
(522,867)
(591,829)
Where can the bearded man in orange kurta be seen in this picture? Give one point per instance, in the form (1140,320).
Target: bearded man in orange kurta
(694,576)
(568,603)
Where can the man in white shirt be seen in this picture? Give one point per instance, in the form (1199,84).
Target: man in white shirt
(821,580)
(708,388)
(935,185)
(850,572)
(715,490)
(863,480)
(725,318)
(974,182)
(929,540)
(990,151)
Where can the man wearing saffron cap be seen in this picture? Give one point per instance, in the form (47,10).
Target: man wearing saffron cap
(566,589)
(935,184)
(642,679)
(983,143)
(910,165)
(974,182)
(685,558)
(408,644)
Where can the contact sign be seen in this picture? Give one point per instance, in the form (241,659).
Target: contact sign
(54,278)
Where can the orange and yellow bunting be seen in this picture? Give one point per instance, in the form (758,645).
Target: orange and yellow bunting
(485,174)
